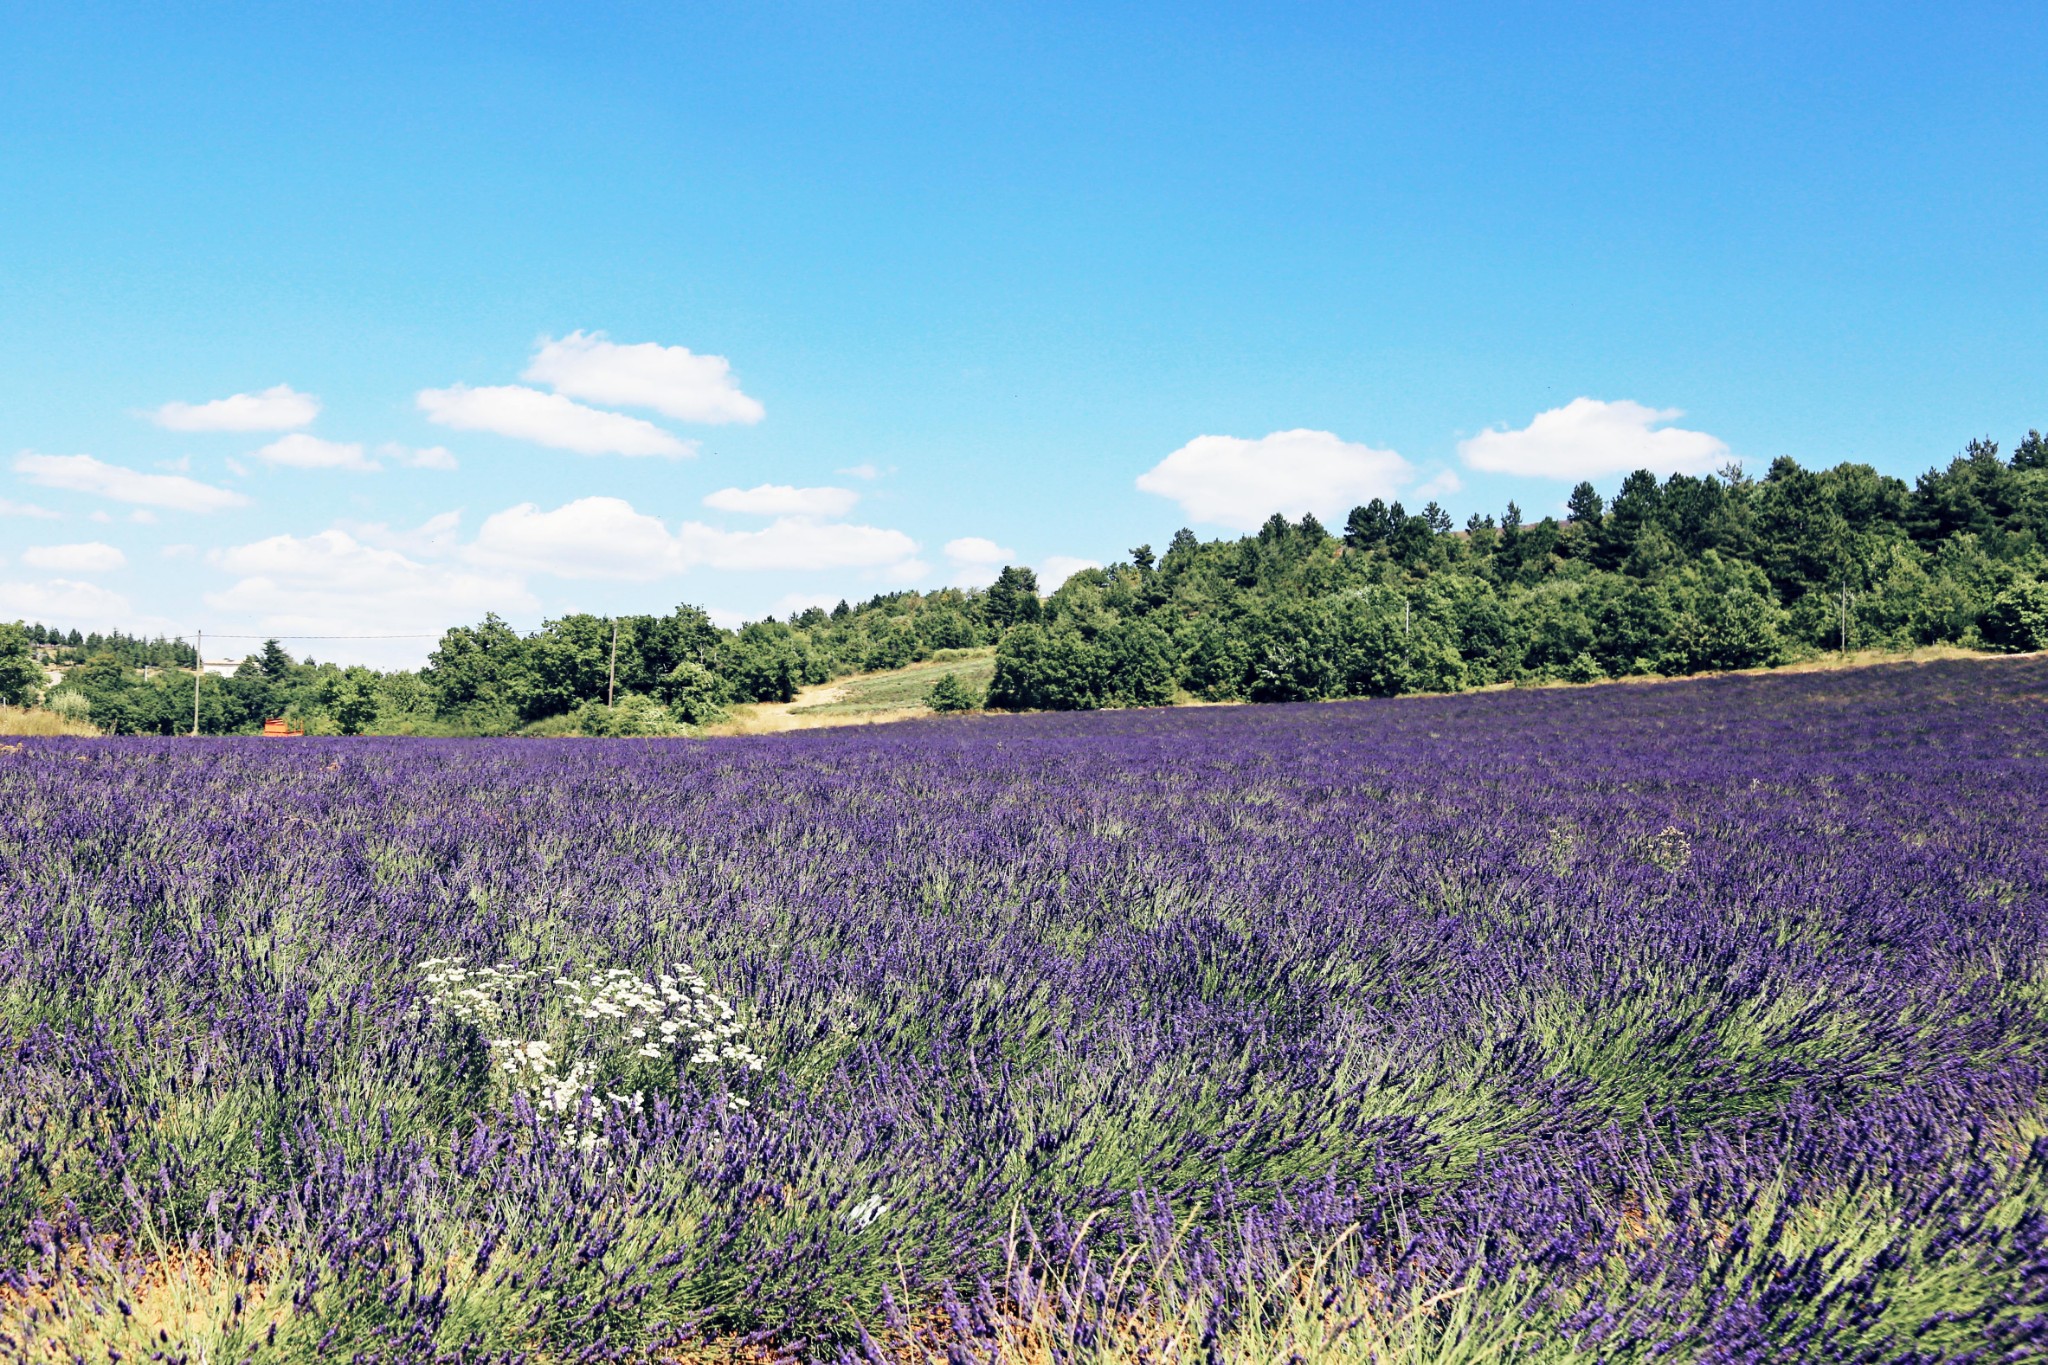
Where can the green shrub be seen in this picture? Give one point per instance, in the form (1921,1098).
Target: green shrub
(2017,619)
(631,717)
(950,694)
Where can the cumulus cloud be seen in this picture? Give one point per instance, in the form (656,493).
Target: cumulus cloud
(1239,483)
(670,379)
(601,537)
(1440,485)
(274,409)
(300,451)
(434,537)
(548,419)
(77,604)
(796,543)
(782,500)
(1586,439)
(1057,569)
(330,583)
(976,559)
(588,538)
(25,509)
(422,457)
(978,550)
(91,556)
(84,474)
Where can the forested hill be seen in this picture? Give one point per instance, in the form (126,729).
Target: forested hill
(1674,577)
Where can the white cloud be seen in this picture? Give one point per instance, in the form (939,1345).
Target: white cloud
(976,559)
(422,457)
(726,618)
(978,550)
(781,500)
(861,471)
(91,556)
(1442,484)
(300,451)
(548,419)
(906,572)
(587,538)
(75,604)
(1586,439)
(332,584)
(275,409)
(792,602)
(434,537)
(670,379)
(1239,483)
(1057,569)
(84,474)
(796,543)
(25,509)
(602,537)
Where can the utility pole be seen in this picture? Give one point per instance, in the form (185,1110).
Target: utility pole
(611,674)
(198,672)
(1404,616)
(1845,619)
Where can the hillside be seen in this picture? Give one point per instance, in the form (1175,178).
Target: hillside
(1668,579)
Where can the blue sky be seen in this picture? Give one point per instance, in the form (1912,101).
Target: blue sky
(909,291)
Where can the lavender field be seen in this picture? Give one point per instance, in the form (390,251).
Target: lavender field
(1703,1021)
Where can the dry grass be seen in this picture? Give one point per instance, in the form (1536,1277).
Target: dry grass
(1820,663)
(863,699)
(107,1299)
(22,720)
(1135,1311)
(769,718)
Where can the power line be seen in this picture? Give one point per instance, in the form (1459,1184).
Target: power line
(225,636)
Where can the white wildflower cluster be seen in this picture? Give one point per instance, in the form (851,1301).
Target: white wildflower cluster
(613,1025)
(475,995)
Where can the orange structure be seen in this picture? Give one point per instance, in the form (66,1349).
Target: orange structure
(282,727)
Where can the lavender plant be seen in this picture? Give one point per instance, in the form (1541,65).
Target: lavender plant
(1697,1022)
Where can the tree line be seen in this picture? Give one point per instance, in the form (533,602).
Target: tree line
(1675,576)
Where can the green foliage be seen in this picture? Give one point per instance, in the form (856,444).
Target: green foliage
(2017,619)
(21,677)
(1013,598)
(1679,576)
(631,717)
(950,694)
(1067,668)
(694,694)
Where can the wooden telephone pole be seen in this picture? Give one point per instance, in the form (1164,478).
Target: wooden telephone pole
(611,673)
(198,672)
